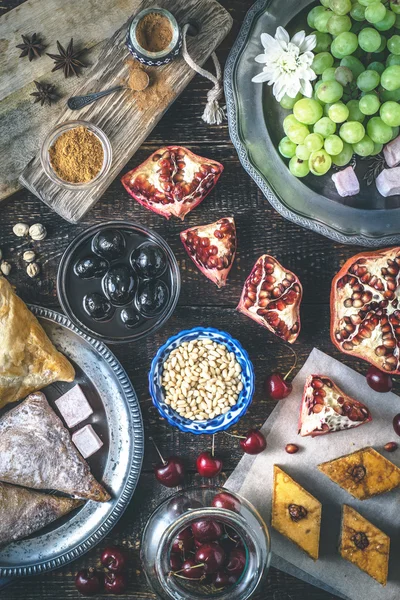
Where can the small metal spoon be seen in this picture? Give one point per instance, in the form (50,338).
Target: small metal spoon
(77,102)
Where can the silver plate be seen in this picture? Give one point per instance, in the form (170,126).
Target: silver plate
(117,465)
(255,126)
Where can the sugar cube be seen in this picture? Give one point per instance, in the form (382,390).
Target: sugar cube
(346,182)
(87,441)
(388,182)
(74,407)
(391,152)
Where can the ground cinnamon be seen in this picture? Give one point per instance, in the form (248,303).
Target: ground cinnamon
(77,155)
(154,32)
(158,93)
(138,79)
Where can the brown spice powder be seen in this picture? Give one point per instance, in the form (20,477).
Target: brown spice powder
(138,80)
(158,94)
(77,155)
(154,32)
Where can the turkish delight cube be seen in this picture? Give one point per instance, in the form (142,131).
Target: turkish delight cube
(391,152)
(346,182)
(87,441)
(74,407)
(388,182)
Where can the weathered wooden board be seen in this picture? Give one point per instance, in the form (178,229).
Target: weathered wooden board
(23,124)
(124,117)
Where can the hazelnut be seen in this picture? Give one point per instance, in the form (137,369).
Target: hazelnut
(33,269)
(391,447)
(21,229)
(29,256)
(5,268)
(291,448)
(37,232)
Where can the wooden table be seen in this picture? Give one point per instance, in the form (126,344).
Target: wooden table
(260,230)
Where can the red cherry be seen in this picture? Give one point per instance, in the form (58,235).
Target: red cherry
(236,561)
(114,559)
(379,381)
(175,561)
(277,387)
(208,466)
(227,501)
(192,570)
(115,583)
(89,581)
(212,555)
(183,543)
(222,579)
(171,471)
(207,530)
(396,424)
(254,443)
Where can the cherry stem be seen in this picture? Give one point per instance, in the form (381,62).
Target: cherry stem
(229,537)
(213,446)
(239,437)
(176,573)
(294,365)
(164,462)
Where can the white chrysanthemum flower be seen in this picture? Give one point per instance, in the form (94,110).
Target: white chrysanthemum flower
(287,63)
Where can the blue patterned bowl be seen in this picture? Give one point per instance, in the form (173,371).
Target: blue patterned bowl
(220,422)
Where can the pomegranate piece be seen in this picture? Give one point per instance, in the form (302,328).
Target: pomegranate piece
(271,296)
(212,248)
(325,408)
(365,315)
(172,181)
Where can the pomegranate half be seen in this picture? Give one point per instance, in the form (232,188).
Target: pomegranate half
(172,181)
(325,408)
(365,312)
(271,296)
(212,248)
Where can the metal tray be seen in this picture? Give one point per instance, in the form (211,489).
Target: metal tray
(255,124)
(117,419)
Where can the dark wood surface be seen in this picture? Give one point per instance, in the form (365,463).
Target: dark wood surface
(260,230)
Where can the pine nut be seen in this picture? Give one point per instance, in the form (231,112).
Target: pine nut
(201,379)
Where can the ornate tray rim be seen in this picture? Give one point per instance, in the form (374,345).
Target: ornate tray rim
(234,126)
(135,467)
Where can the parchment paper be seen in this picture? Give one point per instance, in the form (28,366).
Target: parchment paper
(253,479)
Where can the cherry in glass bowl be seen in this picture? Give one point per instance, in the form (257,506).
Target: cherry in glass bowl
(241,525)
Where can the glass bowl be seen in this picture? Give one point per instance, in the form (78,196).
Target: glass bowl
(220,422)
(52,137)
(178,512)
(71,289)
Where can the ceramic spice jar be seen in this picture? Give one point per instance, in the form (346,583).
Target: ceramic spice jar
(154,37)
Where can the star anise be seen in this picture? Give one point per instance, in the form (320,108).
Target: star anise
(67,60)
(32,47)
(45,93)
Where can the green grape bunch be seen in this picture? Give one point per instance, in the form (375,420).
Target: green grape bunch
(355,107)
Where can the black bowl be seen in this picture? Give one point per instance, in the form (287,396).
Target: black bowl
(72,289)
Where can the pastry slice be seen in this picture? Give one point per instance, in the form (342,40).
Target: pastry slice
(23,511)
(325,408)
(28,359)
(364,545)
(36,451)
(363,474)
(296,514)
